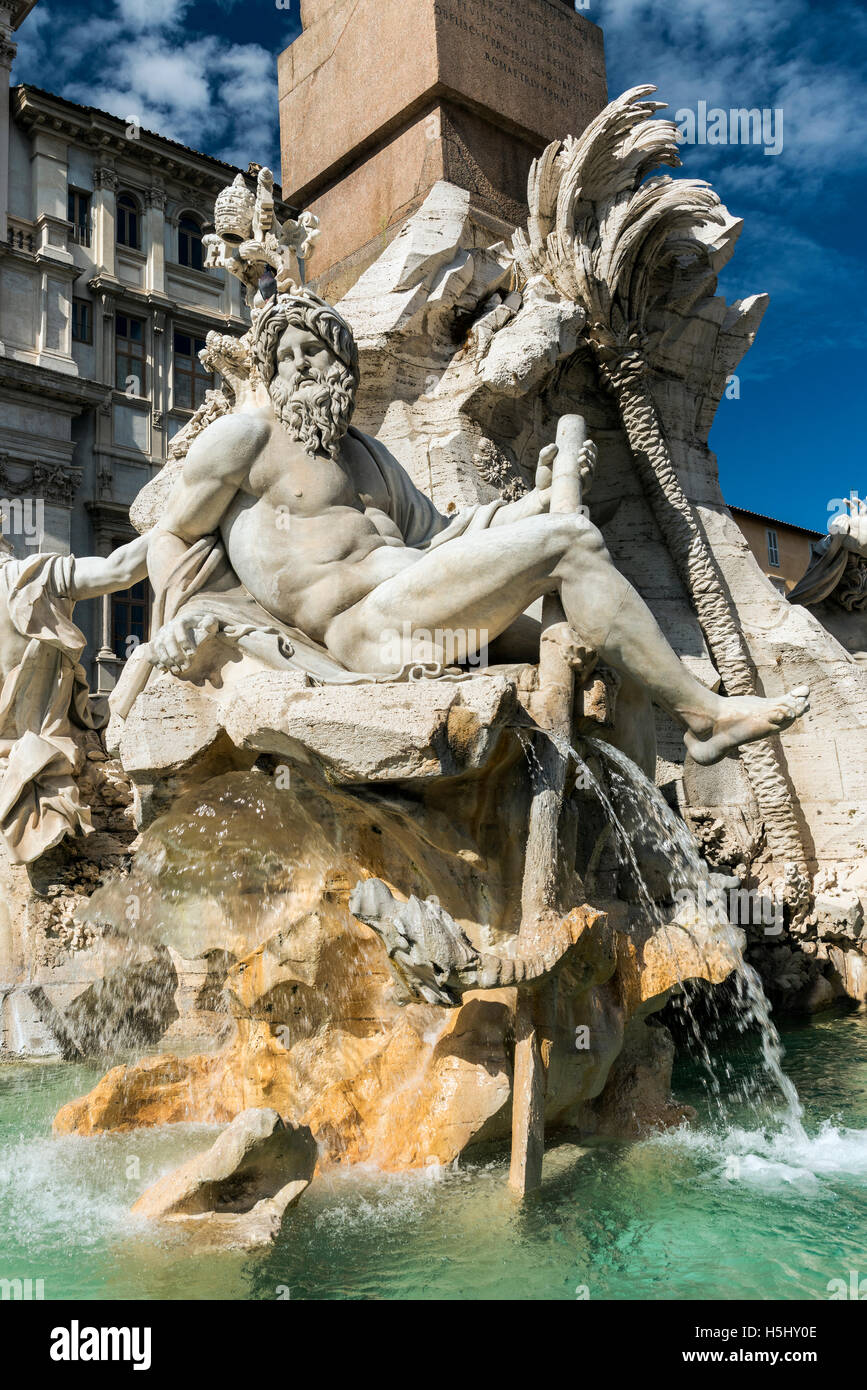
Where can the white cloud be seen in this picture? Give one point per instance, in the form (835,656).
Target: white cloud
(127,105)
(197,89)
(246,84)
(167,76)
(798,207)
(790,54)
(151,14)
(784,54)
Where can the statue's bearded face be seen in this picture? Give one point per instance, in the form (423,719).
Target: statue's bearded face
(312,390)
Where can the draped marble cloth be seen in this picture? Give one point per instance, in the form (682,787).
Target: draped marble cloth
(44,707)
(203,584)
(828,565)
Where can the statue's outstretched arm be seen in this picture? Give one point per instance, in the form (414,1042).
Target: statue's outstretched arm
(93,575)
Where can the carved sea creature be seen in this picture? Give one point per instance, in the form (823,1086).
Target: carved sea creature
(432,956)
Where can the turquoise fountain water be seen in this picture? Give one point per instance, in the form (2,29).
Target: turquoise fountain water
(717,1210)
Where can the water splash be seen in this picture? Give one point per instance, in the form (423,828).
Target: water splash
(696,1212)
(654,914)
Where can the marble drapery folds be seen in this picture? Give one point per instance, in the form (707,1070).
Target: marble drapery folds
(44,708)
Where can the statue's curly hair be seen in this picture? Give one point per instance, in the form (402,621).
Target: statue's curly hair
(303,311)
(320,422)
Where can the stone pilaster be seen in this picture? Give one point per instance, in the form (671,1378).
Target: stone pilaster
(106,661)
(160,368)
(104,219)
(7,56)
(156,240)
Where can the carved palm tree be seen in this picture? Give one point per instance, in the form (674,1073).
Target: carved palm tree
(618,242)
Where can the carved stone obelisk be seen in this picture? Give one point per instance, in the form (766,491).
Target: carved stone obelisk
(379,99)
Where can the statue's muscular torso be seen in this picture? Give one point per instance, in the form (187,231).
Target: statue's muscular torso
(308,537)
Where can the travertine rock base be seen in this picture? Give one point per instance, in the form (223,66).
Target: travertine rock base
(324,1033)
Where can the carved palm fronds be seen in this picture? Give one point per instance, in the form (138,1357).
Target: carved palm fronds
(624,246)
(600,229)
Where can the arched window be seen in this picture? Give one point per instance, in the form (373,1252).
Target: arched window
(189,243)
(128,222)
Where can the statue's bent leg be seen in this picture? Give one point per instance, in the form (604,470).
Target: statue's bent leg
(472,588)
(631,640)
(464,593)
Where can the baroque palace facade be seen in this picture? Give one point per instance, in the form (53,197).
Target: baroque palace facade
(104,306)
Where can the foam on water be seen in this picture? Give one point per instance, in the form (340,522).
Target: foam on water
(778,1154)
(770,1158)
(67,1191)
(753,1200)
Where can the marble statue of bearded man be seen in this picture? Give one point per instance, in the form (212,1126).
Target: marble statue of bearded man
(302,539)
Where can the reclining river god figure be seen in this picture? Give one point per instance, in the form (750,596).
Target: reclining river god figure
(289,526)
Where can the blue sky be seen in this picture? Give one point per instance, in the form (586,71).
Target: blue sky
(204,72)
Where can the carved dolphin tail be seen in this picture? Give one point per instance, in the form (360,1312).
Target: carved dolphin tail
(432,955)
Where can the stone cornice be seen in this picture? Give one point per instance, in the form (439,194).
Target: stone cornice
(108,289)
(54,386)
(104,177)
(110,516)
(103,283)
(53,482)
(57,265)
(107,136)
(14,12)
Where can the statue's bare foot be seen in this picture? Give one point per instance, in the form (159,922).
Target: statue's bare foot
(745,719)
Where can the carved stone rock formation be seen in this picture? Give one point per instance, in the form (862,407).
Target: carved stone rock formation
(236,1194)
(797,804)
(322,1031)
(834,587)
(431,954)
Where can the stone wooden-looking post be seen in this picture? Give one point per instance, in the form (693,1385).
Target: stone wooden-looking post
(535,1011)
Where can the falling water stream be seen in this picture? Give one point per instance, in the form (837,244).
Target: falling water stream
(637,800)
(637,813)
